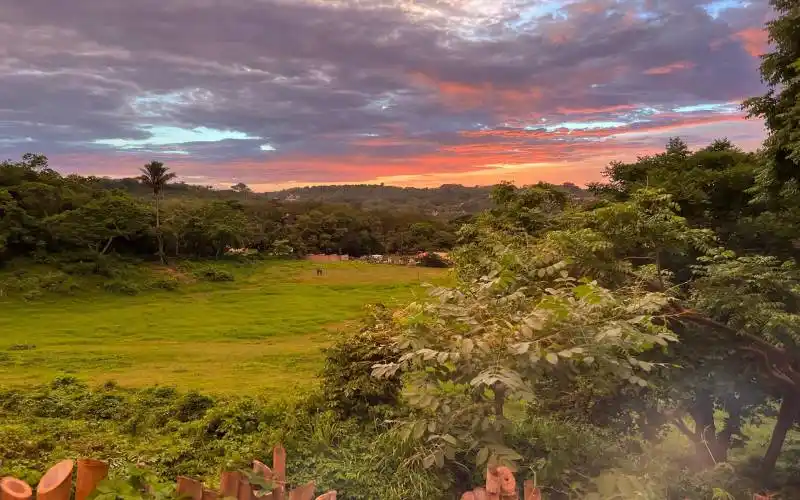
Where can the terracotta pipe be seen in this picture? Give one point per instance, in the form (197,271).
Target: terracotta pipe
(90,473)
(12,488)
(56,484)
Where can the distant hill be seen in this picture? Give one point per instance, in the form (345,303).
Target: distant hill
(447,201)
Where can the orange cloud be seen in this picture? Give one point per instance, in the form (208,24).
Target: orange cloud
(669,68)
(600,110)
(464,96)
(754,40)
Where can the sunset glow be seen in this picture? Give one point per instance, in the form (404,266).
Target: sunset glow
(280,93)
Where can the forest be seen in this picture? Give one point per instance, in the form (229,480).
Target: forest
(637,340)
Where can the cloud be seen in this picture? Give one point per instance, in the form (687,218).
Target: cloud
(418,91)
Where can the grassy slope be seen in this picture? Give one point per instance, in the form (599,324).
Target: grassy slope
(262,332)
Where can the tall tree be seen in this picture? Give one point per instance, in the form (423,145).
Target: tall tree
(780,70)
(156,176)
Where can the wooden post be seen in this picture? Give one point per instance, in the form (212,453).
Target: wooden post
(191,488)
(279,472)
(12,488)
(305,492)
(90,473)
(56,484)
(229,484)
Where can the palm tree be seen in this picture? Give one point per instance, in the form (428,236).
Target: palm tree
(155,176)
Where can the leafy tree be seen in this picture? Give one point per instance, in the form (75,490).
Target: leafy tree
(757,298)
(241,188)
(156,176)
(780,70)
(488,343)
(100,222)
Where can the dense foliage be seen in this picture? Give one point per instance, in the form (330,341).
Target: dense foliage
(42,211)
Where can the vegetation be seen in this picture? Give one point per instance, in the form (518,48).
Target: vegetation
(636,341)
(267,326)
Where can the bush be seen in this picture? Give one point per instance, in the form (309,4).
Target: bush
(347,383)
(214,274)
(430,259)
(121,286)
(167,283)
(32,295)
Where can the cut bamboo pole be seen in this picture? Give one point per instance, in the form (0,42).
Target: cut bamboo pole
(190,488)
(12,488)
(531,491)
(229,484)
(245,491)
(305,492)
(90,473)
(262,470)
(56,484)
(279,472)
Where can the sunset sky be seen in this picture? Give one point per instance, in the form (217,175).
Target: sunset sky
(278,93)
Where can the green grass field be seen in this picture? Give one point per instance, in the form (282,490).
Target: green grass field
(262,333)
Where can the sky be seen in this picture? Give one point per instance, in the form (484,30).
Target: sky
(282,93)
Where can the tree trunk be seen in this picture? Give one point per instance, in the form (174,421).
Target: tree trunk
(108,244)
(159,236)
(786,419)
(705,429)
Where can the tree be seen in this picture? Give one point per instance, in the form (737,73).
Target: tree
(491,340)
(241,188)
(156,176)
(780,70)
(100,222)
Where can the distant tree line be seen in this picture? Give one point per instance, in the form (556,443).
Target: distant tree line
(42,211)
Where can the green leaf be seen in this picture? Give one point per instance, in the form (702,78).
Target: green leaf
(438,457)
(450,439)
(552,358)
(419,429)
(483,456)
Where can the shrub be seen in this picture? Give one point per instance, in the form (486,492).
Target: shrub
(121,286)
(430,259)
(214,274)
(347,382)
(167,283)
(32,295)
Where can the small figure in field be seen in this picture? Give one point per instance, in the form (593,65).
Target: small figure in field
(319,271)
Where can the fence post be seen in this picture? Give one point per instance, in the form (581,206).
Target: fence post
(56,484)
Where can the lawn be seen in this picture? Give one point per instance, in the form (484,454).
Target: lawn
(262,333)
